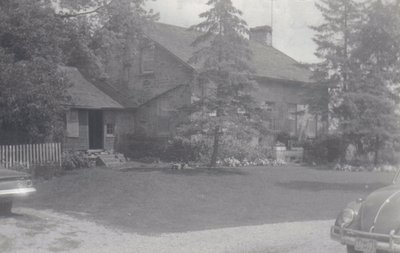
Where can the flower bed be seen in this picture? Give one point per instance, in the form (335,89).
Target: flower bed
(233,162)
(351,168)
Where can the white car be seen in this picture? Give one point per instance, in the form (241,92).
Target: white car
(13,184)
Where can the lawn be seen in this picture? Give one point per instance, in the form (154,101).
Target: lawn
(153,201)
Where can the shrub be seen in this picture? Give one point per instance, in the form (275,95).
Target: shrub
(74,160)
(325,149)
(390,154)
(138,147)
(180,149)
(168,150)
(243,149)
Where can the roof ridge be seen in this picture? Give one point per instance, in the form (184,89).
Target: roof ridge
(269,62)
(251,41)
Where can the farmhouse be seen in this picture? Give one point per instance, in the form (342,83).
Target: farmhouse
(158,82)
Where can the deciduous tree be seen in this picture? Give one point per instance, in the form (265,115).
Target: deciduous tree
(31,89)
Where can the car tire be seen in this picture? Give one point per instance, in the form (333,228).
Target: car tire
(5,207)
(350,249)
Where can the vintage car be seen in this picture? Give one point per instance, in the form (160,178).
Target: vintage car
(13,184)
(372,224)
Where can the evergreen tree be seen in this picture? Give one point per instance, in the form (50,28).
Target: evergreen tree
(359,48)
(371,102)
(224,55)
(336,38)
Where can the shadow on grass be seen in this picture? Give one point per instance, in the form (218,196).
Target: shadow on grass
(193,172)
(324,186)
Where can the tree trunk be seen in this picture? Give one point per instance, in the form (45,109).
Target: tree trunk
(376,157)
(214,156)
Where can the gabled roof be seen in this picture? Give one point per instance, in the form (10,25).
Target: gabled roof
(267,61)
(84,94)
(121,94)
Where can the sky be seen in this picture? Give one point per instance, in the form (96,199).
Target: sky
(291,20)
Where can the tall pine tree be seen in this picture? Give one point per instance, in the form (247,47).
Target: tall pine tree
(371,102)
(336,38)
(224,55)
(359,47)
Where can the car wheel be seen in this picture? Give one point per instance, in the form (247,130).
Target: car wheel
(5,207)
(350,249)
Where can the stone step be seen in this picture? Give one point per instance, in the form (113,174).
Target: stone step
(112,160)
(109,158)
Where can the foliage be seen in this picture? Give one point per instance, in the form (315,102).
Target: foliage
(168,150)
(233,162)
(359,45)
(243,149)
(38,36)
(74,160)
(179,149)
(31,89)
(104,30)
(222,51)
(325,149)
(336,38)
(370,104)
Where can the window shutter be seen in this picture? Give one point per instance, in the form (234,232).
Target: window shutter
(72,123)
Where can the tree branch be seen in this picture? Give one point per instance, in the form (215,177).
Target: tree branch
(72,15)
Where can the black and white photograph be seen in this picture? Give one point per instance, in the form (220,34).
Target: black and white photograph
(200,126)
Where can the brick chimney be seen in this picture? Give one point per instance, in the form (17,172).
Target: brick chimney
(261,34)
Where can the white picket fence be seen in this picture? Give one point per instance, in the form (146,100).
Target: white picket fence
(30,154)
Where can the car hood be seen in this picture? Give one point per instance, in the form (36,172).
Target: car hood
(5,174)
(380,212)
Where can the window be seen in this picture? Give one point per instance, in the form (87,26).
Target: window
(163,124)
(268,106)
(72,123)
(147,60)
(110,128)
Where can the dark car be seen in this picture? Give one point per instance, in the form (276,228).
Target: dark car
(13,184)
(372,224)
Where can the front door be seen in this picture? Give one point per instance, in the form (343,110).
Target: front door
(95,130)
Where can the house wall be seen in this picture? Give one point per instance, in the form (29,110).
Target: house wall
(168,73)
(281,95)
(286,95)
(159,117)
(123,122)
(80,142)
(124,125)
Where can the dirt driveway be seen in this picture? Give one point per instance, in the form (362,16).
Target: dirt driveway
(30,230)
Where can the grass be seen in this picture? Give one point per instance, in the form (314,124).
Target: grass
(153,201)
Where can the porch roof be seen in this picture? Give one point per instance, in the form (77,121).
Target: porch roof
(84,94)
